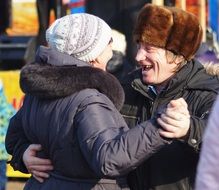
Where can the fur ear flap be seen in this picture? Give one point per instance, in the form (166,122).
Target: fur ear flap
(170,28)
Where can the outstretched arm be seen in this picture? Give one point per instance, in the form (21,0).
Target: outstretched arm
(108,145)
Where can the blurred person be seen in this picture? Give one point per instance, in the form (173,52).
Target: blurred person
(208,167)
(6,112)
(5,15)
(70,113)
(119,65)
(167,40)
(44,8)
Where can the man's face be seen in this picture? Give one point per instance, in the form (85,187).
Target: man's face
(155,67)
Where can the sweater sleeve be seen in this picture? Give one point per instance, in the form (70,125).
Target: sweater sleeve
(109,147)
(207,175)
(6,112)
(16,142)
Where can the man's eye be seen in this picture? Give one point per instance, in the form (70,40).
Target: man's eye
(149,49)
(138,46)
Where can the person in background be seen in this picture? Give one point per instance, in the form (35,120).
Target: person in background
(71,113)
(6,112)
(44,8)
(119,65)
(5,15)
(167,40)
(208,167)
(207,172)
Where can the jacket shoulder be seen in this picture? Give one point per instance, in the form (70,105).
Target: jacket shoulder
(91,96)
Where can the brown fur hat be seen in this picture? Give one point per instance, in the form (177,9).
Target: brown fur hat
(170,28)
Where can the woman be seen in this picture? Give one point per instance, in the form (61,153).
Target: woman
(71,109)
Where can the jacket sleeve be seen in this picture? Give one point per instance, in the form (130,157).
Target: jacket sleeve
(16,142)
(207,173)
(109,147)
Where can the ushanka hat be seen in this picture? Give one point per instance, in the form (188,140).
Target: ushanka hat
(81,35)
(170,28)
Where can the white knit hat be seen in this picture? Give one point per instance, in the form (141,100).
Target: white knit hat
(80,35)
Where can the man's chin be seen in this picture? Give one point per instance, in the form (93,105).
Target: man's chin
(146,81)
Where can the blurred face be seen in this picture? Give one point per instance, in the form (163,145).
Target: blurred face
(155,67)
(102,60)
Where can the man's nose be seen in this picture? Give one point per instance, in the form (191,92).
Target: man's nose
(141,54)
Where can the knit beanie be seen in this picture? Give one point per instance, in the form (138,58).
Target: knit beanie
(170,28)
(80,35)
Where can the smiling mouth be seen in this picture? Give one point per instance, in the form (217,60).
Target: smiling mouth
(147,67)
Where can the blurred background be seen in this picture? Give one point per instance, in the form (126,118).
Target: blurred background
(23,24)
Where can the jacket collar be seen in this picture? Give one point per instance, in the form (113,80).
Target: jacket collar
(192,76)
(46,55)
(47,80)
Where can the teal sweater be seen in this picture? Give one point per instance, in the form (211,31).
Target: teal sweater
(6,112)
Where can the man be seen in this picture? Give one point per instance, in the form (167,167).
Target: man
(167,40)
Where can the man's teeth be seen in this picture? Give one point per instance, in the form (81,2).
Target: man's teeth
(147,67)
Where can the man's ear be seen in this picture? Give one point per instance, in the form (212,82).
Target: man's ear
(94,63)
(179,59)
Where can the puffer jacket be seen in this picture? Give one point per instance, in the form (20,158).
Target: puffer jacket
(174,167)
(70,111)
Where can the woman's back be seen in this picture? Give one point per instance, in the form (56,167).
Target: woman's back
(51,123)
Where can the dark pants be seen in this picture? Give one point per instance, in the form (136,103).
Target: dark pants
(5,15)
(44,8)
(3,178)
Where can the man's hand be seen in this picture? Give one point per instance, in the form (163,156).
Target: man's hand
(38,167)
(175,122)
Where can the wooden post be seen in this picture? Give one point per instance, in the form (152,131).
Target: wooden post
(183,4)
(202,17)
